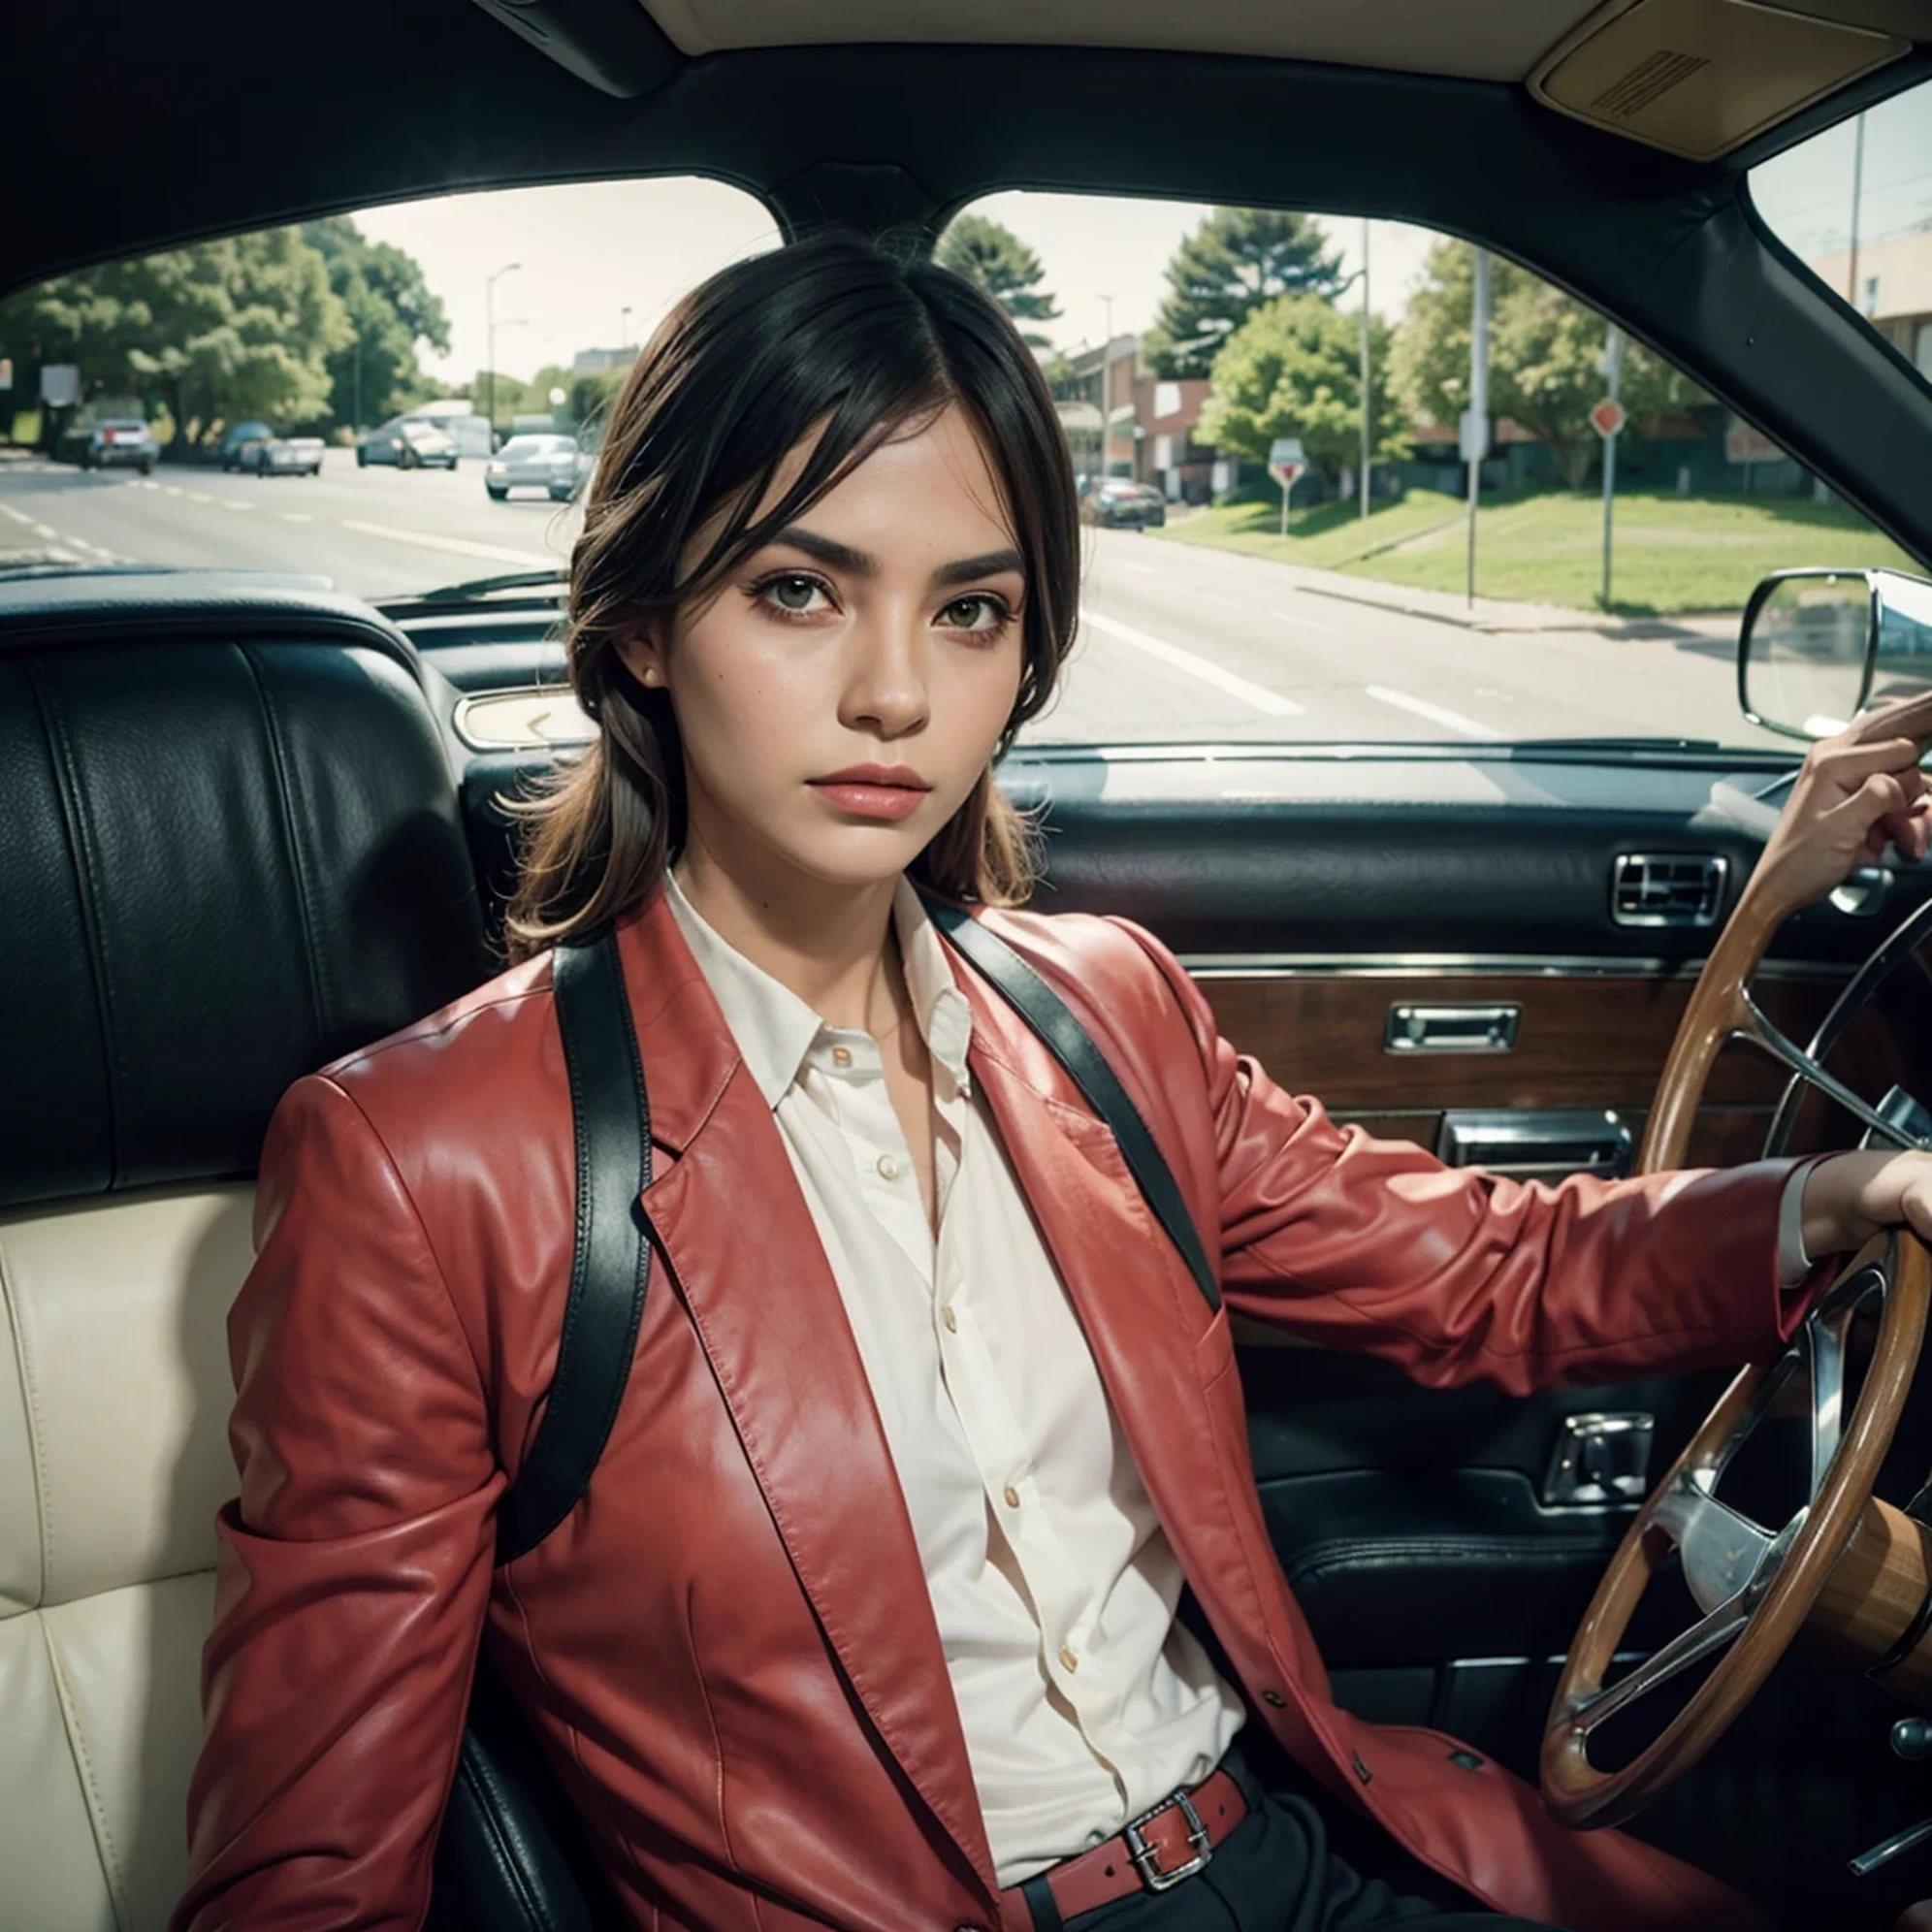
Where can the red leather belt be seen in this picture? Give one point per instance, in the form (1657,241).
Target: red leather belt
(1157,1850)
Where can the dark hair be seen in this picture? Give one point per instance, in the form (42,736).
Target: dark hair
(831,336)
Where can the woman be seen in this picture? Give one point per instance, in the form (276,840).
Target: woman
(867,1617)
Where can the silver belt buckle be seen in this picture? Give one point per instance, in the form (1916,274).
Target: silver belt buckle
(1143,1855)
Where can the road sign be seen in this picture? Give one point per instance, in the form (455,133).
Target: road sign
(1286,460)
(1473,436)
(1608,418)
(60,385)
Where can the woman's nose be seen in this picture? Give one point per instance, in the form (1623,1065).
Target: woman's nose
(885,689)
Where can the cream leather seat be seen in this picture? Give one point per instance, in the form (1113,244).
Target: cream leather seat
(231,850)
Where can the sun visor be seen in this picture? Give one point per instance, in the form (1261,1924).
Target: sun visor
(1698,78)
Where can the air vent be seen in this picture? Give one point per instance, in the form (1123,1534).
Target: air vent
(1668,889)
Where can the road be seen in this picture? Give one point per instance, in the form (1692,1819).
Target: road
(1179,643)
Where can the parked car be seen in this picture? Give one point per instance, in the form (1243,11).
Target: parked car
(122,442)
(551,462)
(469,430)
(283,455)
(1116,503)
(236,442)
(409,444)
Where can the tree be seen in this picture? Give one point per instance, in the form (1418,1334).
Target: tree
(992,257)
(1239,259)
(216,332)
(1294,369)
(392,315)
(1546,353)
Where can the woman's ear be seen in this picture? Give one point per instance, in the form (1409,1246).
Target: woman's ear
(641,654)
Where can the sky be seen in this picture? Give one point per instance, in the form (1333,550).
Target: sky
(599,262)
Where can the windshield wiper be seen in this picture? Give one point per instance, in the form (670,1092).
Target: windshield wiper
(483,587)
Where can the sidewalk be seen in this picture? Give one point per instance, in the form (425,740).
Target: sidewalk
(1499,614)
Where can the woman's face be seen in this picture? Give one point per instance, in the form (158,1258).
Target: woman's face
(841,694)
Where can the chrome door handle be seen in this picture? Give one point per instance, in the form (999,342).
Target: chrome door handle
(1452,1029)
(1535,1142)
(1600,1461)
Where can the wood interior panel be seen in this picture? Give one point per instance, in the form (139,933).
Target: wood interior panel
(1589,1039)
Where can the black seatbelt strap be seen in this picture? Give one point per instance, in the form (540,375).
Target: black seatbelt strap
(610,1262)
(1067,1040)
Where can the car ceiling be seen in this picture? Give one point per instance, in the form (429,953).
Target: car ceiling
(235,117)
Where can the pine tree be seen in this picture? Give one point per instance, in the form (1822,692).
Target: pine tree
(1236,262)
(991,256)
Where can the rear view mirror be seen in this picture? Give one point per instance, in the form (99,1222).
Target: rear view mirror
(1818,647)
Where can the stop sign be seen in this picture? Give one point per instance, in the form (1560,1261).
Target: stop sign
(1608,417)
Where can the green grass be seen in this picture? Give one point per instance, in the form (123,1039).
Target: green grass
(1673,554)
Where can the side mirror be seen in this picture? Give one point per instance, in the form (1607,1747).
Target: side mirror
(1818,647)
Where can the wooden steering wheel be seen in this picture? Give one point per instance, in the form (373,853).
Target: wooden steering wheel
(1846,1567)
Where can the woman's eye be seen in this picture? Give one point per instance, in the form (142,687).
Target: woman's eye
(979,612)
(794,595)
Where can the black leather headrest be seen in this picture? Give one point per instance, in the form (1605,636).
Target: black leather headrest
(230,850)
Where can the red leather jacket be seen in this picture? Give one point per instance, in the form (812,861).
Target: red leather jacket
(729,1648)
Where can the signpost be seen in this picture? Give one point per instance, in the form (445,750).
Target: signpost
(1286,461)
(1607,419)
(1475,424)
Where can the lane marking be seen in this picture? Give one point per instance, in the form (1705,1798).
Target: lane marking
(1146,569)
(1437,714)
(1310,622)
(173,488)
(200,497)
(495,552)
(229,504)
(18,516)
(47,530)
(1214,596)
(297,516)
(1273,703)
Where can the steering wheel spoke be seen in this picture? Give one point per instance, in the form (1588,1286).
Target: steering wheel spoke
(1721,1550)
(1709,1634)
(1760,1032)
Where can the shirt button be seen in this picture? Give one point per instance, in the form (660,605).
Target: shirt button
(1011,1496)
(950,1320)
(888,1168)
(1068,1660)
(841,1056)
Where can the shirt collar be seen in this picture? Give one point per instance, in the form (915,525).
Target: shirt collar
(776,1030)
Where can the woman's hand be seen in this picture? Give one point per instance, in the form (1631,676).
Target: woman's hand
(1850,1197)
(1856,794)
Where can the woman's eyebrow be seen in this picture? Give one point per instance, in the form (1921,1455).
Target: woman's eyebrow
(839,556)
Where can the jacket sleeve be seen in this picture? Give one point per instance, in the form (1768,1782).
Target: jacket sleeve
(1461,1276)
(355,1564)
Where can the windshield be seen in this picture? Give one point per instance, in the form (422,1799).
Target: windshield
(1266,412)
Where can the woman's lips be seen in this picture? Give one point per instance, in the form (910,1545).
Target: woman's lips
(866,798)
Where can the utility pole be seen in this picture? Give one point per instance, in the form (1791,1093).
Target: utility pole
(1106,386)
(623,327)
(490,340)
(1475,423)
(1613,369)
(1368,412)
(1858,194)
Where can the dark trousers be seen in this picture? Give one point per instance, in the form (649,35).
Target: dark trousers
(1274,1872)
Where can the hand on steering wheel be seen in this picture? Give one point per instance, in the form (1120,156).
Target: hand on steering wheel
(1844,1564)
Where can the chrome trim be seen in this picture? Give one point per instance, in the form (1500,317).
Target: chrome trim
(1456,965)
(1477,1028)
(472,702)
(1144,1856)
(1529,1140)
(1599,1461)
(1629,866)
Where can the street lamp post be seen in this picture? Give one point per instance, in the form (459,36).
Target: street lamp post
(1367,413)
(1106,385)
(623,327)
(490,340)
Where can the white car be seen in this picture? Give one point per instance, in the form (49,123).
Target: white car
(553,463)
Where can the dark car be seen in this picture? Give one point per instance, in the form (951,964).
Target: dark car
(409,444)
(1117,504)
(238,440)
(120,444)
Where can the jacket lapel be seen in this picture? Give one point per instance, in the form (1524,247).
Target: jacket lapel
(733,1223)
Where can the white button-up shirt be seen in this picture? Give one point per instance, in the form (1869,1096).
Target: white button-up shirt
(1082,1700)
